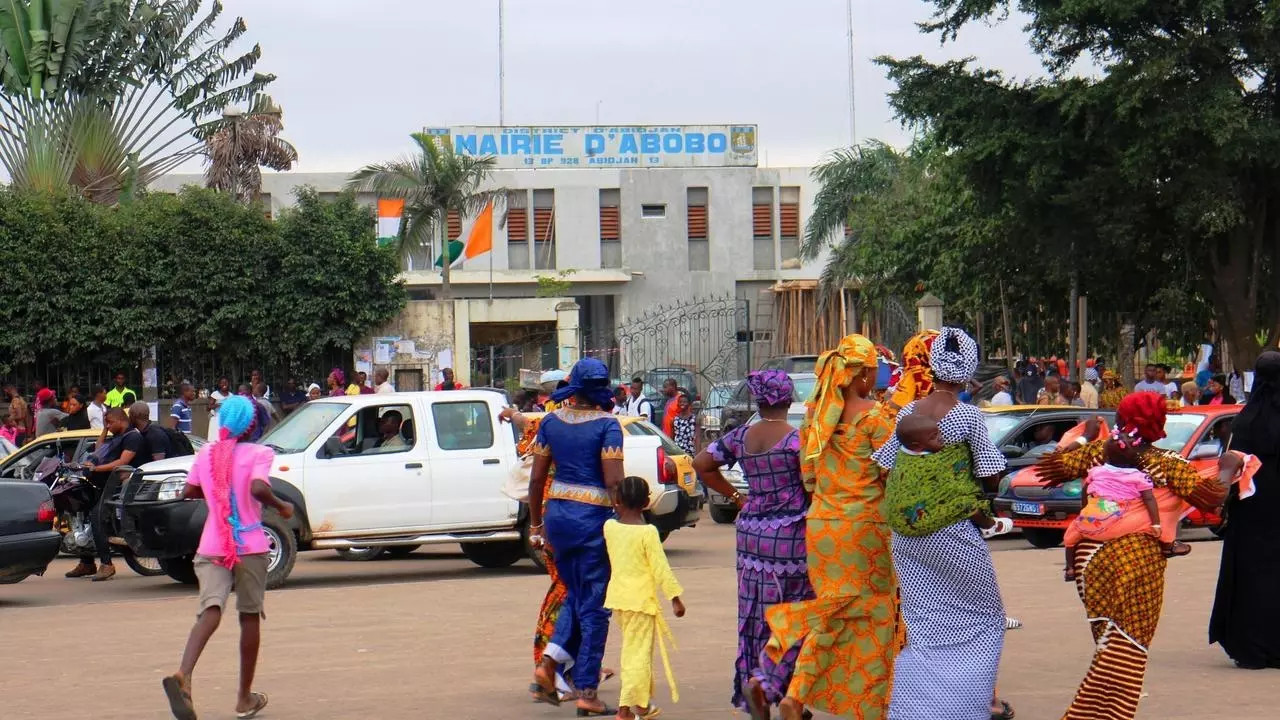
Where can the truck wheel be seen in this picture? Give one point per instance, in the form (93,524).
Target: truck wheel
(146,567)
(401,551)
(1043,537)
(283,551)
(494,554)
(363,554)
(724,515)
(180,569)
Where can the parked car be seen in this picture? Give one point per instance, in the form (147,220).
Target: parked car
(73,446)
(721,508)
(28,542)
(442,485)
(653,380)
(709,416)
(742,405)
(1025,433)
(1198,434)
(792,363)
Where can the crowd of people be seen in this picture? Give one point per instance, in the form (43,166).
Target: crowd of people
(865,586)
(1046,381)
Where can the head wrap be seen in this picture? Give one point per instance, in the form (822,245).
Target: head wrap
(1091,374)
(915,378)
(1257,428)
(589,377)
(45,396)
(235,419)
(770,387)
(312,386)
(1142,415)
(955,356)
(836,370)
(338,375)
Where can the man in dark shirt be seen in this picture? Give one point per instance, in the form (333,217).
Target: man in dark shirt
(151,441)
(1030,383)
(292,398)
(121,449)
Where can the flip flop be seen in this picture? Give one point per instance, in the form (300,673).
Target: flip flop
(543,695)
(179,698)
(259,702)
(1179,549)
(654,711)
(1006,712)
(602,712)
(759,710)
(1012,623)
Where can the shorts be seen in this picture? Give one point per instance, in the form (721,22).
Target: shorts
(249,578)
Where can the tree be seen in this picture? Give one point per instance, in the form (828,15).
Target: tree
(236,154)
(100,96)
(432,183)
(1183,111)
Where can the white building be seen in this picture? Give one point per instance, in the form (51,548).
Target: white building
(670,265)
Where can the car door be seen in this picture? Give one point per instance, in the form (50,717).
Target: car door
(471,457)
(360,479)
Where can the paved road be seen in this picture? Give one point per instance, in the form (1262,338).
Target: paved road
(433,636)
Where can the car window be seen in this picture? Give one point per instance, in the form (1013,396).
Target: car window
(26,460)
(1042,438)
(999,425)
(742,395)
(301,427)
(804,365)
(388,429)
(641,427)
(462,425)
(1179,429)
(803,388)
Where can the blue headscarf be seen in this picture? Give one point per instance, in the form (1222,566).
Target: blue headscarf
(589,377)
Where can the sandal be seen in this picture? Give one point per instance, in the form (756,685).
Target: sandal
(179,698)
(653,712)
(1006,712)
(543,695)
(602,712)
(1177,549)
(1012,623)
(259,702)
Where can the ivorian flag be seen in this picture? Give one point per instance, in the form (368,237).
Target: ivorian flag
(390,210)
(479,239)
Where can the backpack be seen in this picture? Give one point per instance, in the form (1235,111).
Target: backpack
(179,443)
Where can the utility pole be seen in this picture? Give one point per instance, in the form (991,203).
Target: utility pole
(853,121)
(502,64)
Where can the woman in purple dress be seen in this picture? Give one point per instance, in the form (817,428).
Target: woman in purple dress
(772,565)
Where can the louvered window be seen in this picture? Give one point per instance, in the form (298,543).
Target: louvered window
(762,244)
(699,243)
(544,229)
(610,229)
(789,224)
(518,230)
(454,224)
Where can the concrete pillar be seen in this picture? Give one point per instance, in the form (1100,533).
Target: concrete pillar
(461,342)
(568,337)
(929,312)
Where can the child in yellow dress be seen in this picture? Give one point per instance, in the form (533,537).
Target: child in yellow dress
(639,570)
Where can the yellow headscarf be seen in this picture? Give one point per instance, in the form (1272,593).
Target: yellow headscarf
(836,370)
(917,378)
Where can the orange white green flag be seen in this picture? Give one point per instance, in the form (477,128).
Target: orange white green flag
(390,212)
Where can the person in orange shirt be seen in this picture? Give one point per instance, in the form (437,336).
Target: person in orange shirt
(670,406)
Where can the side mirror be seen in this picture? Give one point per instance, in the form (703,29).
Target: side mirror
(1012,451)
(1205,451)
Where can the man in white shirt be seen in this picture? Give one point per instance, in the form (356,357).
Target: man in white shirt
(637,404)
(97,409)
(1149,383)
(382,385)
(1002,396)
(1089,388)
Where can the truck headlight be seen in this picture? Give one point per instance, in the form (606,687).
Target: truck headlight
(1005,483)
(170,488)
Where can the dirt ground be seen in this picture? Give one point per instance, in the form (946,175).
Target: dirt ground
(432,636)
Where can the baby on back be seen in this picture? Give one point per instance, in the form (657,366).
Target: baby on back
(932,485)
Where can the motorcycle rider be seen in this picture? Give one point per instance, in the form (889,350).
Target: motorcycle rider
(122,448)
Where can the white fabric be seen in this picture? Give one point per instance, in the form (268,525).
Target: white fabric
(639,407)
(97,416)
(1001,398)
(384,388)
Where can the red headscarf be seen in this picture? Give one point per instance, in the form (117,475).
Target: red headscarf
(1143,414)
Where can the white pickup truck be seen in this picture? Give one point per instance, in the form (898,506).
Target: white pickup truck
(390,471)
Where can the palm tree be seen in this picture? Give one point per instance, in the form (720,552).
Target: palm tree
(432,183)
(247,142)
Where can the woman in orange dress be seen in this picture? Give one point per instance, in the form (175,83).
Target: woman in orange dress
(849,633)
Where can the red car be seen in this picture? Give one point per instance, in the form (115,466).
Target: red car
(1199,433)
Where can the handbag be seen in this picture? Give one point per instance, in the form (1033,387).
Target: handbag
(516,486)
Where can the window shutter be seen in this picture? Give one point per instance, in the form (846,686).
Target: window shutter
(698,222)
(609,227)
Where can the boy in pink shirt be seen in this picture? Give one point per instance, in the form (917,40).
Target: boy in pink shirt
(234,479)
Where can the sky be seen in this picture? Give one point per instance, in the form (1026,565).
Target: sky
(356,78)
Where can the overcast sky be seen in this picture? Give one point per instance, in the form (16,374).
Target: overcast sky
(356,78)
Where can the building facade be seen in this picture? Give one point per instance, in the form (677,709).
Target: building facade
(670,266)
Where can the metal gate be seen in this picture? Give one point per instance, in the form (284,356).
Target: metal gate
(897,326)
(710,338)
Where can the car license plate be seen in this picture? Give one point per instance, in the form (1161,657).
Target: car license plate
(1028,508)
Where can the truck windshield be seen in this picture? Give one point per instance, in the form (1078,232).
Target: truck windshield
(296,432)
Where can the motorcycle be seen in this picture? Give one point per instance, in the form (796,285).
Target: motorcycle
(75,500)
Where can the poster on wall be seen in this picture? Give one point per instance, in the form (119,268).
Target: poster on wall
(383,349)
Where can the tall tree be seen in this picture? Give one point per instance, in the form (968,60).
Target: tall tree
(432,182)
(1184,113)
(235,154)
(98,94)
